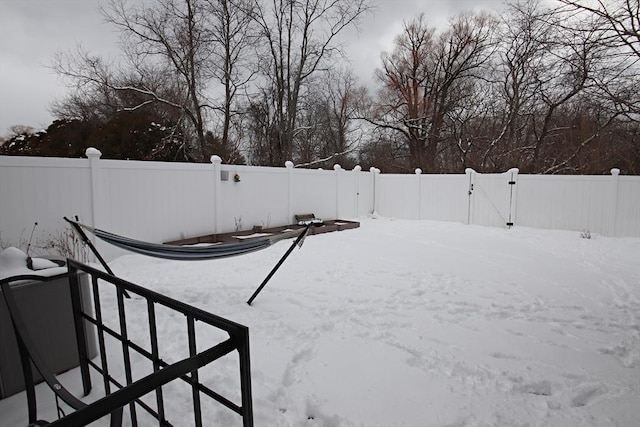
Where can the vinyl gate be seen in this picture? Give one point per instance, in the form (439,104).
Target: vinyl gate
(492,198)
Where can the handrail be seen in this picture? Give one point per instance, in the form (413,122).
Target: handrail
(238,340)
(130,393)
(124,396)
(29,353)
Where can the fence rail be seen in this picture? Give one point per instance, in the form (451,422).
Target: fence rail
(157,201)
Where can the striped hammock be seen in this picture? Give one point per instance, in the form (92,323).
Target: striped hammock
(189,253)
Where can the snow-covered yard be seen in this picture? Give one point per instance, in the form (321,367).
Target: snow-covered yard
(418,323)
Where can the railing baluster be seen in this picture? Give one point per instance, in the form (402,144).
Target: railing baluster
(197,409)
(125,350)
(153,337)
(81,336)
(100,327)
(242,343)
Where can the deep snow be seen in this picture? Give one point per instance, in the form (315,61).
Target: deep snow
(417,323)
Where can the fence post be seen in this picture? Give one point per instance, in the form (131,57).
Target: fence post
(513,192)
(613,210)
(356,177)
(375,202)
(418,177)
(470,178)
(337,168)
(217,190)
(93,154)
(289,165)
(97,193)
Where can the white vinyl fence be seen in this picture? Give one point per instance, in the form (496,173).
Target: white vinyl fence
(607,205)
(158,201)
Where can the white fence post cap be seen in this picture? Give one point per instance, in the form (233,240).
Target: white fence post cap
(92,152)
(357,168)
(615,171)
(337,167)
(216,159)
(288,164)
(418,171)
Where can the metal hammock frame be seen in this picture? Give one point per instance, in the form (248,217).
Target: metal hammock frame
(191,253)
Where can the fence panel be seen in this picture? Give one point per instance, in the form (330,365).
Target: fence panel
(259,198)
(398,196)
(347,188)
(627,207)
(565,202)
(444,197)
(41,190)
(314,191)
(153,201)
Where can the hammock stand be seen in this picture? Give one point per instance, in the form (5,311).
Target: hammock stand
(191,253)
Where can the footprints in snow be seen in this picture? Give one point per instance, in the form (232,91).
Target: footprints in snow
(587,394)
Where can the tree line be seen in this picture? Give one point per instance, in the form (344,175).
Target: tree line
(546,89)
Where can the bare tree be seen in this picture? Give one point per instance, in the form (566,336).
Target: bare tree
(174,53)
(176,33)
(426,78)
(617,23)
(619,18)
(547,92)
(299,38)
(560,84)
(233,33)
(408,77)
(523,33)
(328,132)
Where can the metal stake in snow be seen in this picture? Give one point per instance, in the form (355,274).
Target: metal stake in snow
(86,240)
(299,242)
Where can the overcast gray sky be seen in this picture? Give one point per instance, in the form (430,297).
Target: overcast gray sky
(32,31)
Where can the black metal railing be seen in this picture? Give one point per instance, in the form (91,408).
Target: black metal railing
(129,392)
